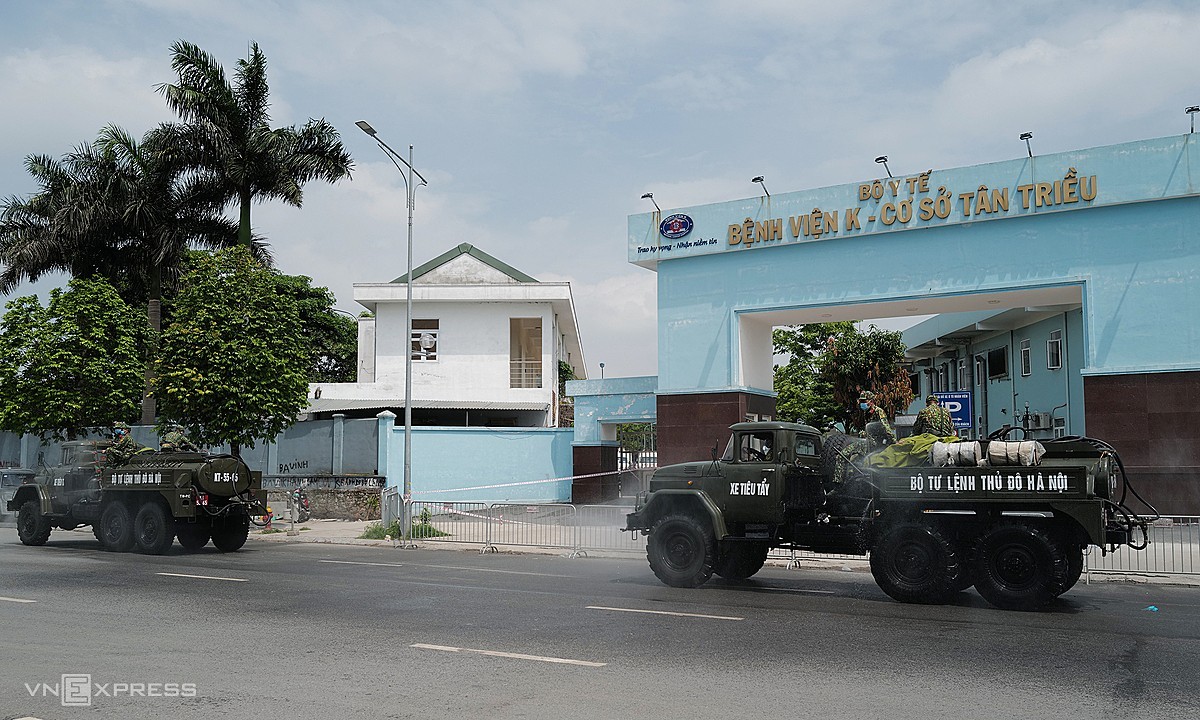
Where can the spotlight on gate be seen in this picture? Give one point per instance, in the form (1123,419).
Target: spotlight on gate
(650,197)
(1191,111)
(882,160)
(759,180)
(1027,136)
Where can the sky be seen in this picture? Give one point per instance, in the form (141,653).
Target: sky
(539,125)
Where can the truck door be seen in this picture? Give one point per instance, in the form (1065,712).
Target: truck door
(753,486)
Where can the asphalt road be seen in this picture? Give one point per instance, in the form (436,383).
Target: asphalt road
(322,631)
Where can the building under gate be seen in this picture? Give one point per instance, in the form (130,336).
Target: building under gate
(1101,246)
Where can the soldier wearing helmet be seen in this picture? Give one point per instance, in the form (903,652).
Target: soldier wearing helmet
(883,433)
(174,440)
(123,446)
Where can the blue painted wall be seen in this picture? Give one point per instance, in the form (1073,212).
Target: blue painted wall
(612,400)
(1133,251)
(467,464)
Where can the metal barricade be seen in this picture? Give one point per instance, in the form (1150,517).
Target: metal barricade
(1174,549)
(459,522)
(531,525)
(599,527)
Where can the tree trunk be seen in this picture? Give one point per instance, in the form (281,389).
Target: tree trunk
(154,318)
(244,223)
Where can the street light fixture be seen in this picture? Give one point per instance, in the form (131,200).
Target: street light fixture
(1027,136)
(760,181)
(650,197)
(410,193)
(882,160)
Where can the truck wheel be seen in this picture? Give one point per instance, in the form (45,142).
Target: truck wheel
(917,563)
(116,529)
(1074,555)
(1019,567)
(192,536)
(32,527)
(680,551)
(152,529)
(230,534)
(740,560)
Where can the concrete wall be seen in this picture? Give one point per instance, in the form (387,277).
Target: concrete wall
(483,464)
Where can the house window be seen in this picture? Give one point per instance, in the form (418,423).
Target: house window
(424,341)
(943,378)
(914,383)
(980,369)
(525,352)
(962,374)
(1054,350)
(997,363)
(1026,365)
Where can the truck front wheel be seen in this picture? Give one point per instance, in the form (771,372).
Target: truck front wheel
(739,560)
(680,551)
(32,526)
(917,563)
(1020,567)
(116,529)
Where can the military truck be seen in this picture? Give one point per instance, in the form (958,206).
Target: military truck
(146,503)
(1015,532)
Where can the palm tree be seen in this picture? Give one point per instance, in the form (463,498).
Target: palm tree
(118,208)
(234,146)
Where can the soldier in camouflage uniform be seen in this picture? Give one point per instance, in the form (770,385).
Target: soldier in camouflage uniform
(934,419)
(866,403)
(176,440)
(123,446)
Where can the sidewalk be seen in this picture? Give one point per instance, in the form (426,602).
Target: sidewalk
(347,532)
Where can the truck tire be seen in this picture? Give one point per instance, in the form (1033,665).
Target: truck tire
(1020,567)
(835,448)
(680,551)
(116,528)
(1074,566)
(192,536)
(32,526)
(740,560)
(917,563)
(153,531)
(230,534)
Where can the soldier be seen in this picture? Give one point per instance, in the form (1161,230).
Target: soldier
(866,403)
(175,440)
(123,446)
(934,419)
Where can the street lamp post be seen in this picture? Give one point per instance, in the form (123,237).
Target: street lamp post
(410,192)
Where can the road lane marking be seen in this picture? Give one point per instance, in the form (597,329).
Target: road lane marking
(515,656)
(664,612)
(444,567)
(17,600)
(795,590)
(203,577)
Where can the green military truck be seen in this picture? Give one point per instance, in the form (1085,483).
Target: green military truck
(146,503)
(1016,532)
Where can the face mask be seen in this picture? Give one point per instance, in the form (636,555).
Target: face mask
(862,406)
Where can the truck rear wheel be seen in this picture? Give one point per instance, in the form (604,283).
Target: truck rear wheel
(192,536)
(116,529)
(32,526)
(680,551)
(152,529)
(1020,567)
(230,533)
(740,560)
(917,563)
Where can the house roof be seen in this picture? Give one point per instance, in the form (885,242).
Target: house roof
(334,404)
(466,249)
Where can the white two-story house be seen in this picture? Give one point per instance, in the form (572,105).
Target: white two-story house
(486,345)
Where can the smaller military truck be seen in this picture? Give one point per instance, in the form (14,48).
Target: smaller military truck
(145,504)
(1016,532)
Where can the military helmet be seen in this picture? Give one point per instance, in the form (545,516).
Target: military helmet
(931,398)
(866,396)
(118,425)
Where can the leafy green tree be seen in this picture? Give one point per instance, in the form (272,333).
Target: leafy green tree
(803,393)
(331,337)
(74,365)
(232,362)
(118,208)
(230,139)
(830,364)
